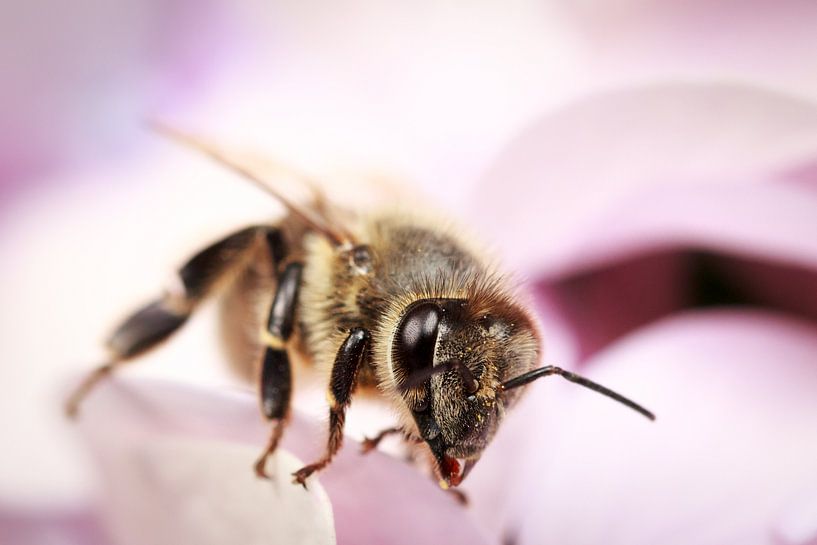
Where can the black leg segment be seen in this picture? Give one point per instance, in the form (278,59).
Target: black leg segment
(155,322)
(277,246)
(276,376)
(146,328)
(276,380)
(208,266)
(344,376)
(346,366)
(282,314)
(276,383)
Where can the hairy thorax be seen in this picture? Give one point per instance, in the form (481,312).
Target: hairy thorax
(398,260)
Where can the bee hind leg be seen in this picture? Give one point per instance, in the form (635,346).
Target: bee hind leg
(200,276)
(141,331)
(342,384)
(276,376)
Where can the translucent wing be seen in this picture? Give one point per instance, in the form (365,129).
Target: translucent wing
(317,214)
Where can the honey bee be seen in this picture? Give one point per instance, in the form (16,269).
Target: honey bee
(391,303)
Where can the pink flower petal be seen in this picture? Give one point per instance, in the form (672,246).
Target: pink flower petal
(570,169)
(797,524)
(671,249)
(27,527)
(732,449)
(761,41)
(662,231)
(167,479)
(178,446)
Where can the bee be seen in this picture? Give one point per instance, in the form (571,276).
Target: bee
(390,303)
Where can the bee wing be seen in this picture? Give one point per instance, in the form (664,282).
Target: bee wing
(318,213)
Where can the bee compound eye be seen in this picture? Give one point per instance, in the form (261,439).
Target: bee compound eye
(416,338)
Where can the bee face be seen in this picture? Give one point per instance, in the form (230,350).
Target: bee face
(453,362)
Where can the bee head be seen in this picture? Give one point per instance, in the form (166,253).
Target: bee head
(450,359)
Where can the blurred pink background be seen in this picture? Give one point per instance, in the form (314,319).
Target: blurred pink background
(645,167)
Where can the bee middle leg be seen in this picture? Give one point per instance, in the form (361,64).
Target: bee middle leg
(342,384)
(276,375)
(199,277)
(370,443)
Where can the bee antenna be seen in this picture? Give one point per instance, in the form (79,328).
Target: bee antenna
(199,145)
(548,370)
(419,377)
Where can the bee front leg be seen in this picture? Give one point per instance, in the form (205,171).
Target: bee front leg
(276,375)
(158,320)
(342,384)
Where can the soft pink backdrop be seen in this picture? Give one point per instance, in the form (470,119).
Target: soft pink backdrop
(622,158)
